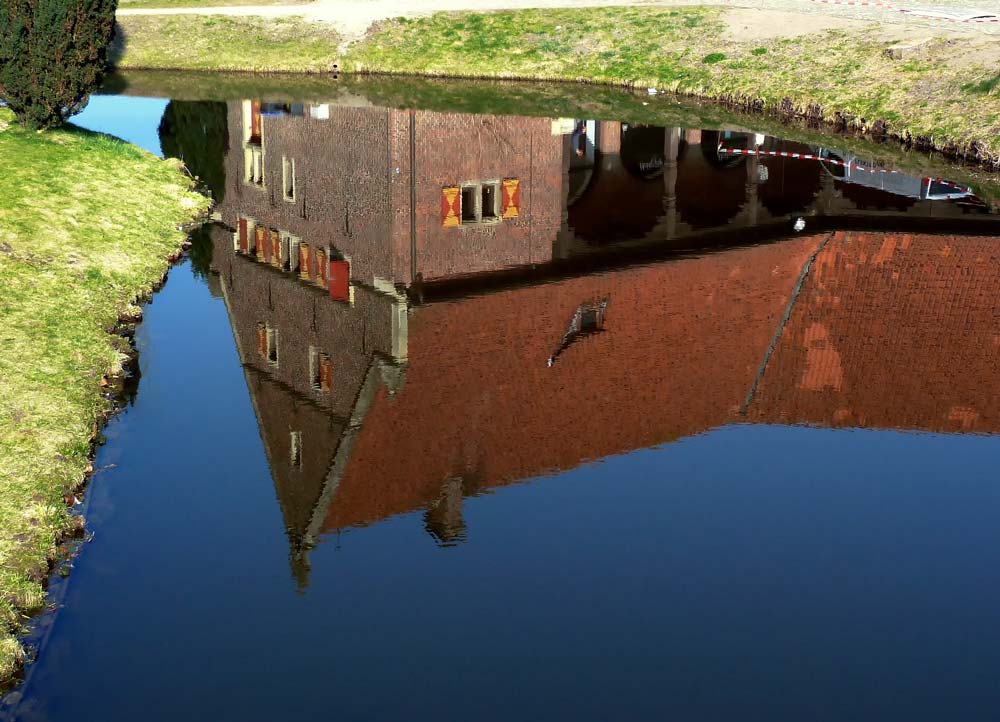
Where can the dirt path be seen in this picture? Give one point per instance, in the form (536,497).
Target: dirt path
(748,20)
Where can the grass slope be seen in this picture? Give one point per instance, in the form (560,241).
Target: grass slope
(160,4)
(220,42)
(86,225)
(948,96)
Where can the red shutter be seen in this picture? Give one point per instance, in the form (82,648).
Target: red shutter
(255,125)
(261,340)
(340,280)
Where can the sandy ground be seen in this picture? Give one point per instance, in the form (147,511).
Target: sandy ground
(748,19)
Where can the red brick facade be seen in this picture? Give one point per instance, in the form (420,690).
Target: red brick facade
(357,193)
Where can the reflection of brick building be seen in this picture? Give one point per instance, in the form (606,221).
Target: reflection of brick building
(370,406)
(369,185)
(887,331)
(385,197)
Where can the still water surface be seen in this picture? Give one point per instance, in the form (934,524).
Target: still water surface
(472,417)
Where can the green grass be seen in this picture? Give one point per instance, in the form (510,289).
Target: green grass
(834,74)
(983,86)
(219,42)
(86,225)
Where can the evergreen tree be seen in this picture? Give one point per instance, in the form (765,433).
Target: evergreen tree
(53,53)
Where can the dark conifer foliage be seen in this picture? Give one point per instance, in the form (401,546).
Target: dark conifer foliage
(196,131)
(53,54)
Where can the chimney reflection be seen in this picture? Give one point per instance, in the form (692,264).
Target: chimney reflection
(421,299)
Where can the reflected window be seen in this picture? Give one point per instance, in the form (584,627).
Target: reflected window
(490,201)
(288,178)
(272,345)
(295,449)
(470,204)
(267,343)
(254,165)
(320,370)
(294,246)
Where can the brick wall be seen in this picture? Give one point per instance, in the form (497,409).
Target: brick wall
(353,181)
(898,331)
(453,149)
(680,347)
(303,317)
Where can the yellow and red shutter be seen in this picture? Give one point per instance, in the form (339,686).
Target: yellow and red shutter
(260,240)
(305,261)
(275,248)
(510,206)
(449,206)
(325,372)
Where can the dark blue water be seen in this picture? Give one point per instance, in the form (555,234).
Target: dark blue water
(735,491)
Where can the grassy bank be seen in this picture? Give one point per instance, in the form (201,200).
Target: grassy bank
(86,225)
(946,93)
(219,42)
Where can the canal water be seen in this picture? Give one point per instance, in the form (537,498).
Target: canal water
(505,417)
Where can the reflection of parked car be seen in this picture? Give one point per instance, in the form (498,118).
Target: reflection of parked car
(861,172)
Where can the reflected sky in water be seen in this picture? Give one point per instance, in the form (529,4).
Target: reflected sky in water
(494,417)
(136,122)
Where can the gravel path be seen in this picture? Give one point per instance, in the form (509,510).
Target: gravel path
(756,19)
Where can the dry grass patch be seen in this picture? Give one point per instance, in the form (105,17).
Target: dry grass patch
(220,42)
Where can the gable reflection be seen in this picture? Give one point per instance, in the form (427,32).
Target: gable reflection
(428,306)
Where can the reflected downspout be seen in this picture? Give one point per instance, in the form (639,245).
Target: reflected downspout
(413,197)
(671,150)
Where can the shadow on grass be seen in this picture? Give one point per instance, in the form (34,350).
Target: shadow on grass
(983,87)
(117,47)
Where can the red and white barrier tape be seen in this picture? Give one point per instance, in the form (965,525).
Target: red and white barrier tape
(833,161)
(956,186)
(802,156)
(913,12)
